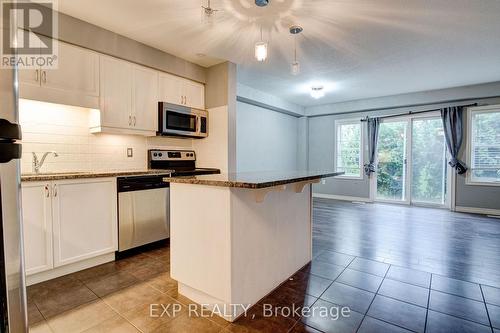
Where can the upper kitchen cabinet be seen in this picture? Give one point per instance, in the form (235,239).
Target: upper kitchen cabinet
(176,90)
(75,81)
(145,98)
(128,99)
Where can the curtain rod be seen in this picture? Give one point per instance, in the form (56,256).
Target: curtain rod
(413,112)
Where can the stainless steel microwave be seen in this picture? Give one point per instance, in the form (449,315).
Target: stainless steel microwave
(179,120)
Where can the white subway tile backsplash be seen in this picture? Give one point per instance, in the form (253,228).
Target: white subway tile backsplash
(65,129)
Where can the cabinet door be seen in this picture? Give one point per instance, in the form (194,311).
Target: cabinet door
(145,99)
(29,77)
(171,89)
(194,94)
(116,93)
(84,219)
(77,71)
(37,227)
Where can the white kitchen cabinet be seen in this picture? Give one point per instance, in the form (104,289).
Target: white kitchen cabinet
(75,81)
(128,99)
(145,98)
(37,227)
(84,219)
(176,90)
(68,221)
(170,89)
(194,94)
(116,90)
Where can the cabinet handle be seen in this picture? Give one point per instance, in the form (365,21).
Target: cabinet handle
(130,120)
(36,75)
(185,100)
(55,190)
(44,77)
(135,121)
(47,192)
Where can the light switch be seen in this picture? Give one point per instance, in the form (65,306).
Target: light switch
(130,152)
(323,181)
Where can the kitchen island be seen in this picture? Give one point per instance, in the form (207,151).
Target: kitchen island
(236,237)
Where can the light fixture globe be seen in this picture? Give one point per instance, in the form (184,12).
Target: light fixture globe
(261,51)
(317,92)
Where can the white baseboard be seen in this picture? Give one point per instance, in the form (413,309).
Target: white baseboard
(477,210)
(340,197)
(67,269)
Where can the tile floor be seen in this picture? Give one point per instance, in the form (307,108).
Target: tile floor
(362,255)
(116,297)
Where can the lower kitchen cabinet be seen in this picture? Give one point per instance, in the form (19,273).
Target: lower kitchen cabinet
(68,221)
(37,227)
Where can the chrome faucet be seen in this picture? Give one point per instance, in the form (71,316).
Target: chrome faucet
(37,164)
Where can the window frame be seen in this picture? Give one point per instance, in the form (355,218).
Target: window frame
(469,180)
(350,121)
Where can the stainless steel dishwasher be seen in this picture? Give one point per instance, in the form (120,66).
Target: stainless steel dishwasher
(143,210)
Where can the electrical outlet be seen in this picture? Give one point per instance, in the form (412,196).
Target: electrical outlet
(323,181)
(130,152)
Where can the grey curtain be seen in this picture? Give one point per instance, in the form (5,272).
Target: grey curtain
(372,125)
(453,132)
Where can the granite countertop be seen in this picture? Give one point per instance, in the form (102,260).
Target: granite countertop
(32,177)
(253,180)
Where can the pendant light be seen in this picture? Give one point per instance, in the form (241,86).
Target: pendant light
(295,67)
(261,49)
(208,13)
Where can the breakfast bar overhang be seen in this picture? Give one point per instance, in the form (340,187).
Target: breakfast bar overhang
(236,237)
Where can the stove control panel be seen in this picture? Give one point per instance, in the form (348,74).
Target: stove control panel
(171,155)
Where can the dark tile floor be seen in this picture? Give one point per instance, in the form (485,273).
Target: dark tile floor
(381,296)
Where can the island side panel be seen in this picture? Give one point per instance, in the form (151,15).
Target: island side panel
(271,240)
(200,241)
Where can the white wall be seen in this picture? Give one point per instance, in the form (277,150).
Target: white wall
(265,140)
(65,129)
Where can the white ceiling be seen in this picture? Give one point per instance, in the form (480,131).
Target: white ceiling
(356,48)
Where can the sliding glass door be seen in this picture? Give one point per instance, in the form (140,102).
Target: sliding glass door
(412,166)
(392,157)
(428,162)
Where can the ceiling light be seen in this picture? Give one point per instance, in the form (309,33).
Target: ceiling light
(262,3)
(317,92)
(208,13)
(295,30)
(261,49)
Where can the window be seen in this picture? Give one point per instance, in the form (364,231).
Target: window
(484,145)
(348,148)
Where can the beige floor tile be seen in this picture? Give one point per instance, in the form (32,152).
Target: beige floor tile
(164,283)
(81,318)
(41,327)
(113,325)
(131,297)
(161,310)
(187,324)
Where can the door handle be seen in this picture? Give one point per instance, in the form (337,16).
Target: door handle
(55,190)
(47,192)
(44,77)
(36,75)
